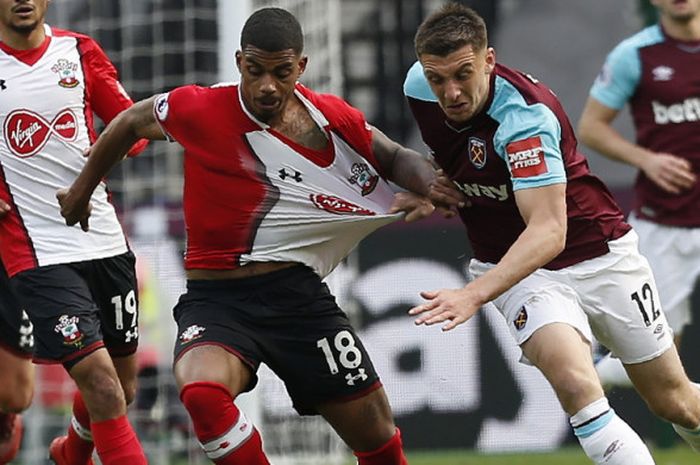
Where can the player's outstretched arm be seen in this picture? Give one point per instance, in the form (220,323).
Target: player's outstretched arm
(137,122)
(408,169)
(670,172)
(544,211)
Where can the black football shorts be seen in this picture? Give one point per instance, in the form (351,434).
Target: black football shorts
(16,331)
(76,308)
(287,319)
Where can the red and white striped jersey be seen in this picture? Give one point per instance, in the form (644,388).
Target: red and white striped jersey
(251,194)
(47,99)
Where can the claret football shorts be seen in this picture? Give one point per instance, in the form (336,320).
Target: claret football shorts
(77,308)
(613,296)
(287,319)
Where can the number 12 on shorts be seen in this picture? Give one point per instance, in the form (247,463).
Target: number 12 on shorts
(646,299)
(349,355)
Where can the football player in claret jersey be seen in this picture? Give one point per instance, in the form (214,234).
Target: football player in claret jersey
(280,184)
(656,72)
(547,237)
(78,289)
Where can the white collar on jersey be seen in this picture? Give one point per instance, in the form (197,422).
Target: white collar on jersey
(315,113)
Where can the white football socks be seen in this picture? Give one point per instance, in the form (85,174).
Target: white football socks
(606,439)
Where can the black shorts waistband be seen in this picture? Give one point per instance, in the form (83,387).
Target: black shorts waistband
(251,281)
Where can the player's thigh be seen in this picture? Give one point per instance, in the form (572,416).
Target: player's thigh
(17,387)
(365,423)
(620,297)
(212,345)
(112,282)
(539,300)
(63,315)
(674,256)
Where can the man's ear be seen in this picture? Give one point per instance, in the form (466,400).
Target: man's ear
(239,59)
(490,60)
(303,61)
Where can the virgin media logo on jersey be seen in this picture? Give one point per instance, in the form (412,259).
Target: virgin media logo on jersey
(688,110)
(336,205)
(27,132)
(526,158)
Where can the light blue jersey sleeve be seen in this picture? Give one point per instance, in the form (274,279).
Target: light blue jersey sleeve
(416,85)
(521,123)
(620,75)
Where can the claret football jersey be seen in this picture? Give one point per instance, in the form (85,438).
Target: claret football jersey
(251,194)
(660,78)
(47,99)
(522,139)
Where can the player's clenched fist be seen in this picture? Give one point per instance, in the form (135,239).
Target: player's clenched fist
(74,210)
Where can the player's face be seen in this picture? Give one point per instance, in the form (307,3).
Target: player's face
(460,80)
(268,79)
(678,10)
(22,16)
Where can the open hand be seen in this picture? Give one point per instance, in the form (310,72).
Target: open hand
(452,305)
(671,173)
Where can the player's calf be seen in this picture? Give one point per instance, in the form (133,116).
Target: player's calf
(225,434)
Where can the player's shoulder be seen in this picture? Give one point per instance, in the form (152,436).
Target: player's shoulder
(200,92)
(416,86)
(647,37)
(80,37)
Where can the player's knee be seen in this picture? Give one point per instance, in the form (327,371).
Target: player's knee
(16,401)
(103,389)
(572,386)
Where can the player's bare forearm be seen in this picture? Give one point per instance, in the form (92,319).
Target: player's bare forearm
(544,237)
(596,131)
(133,124)
(405,167)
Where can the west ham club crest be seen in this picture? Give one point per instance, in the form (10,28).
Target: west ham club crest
(477,152)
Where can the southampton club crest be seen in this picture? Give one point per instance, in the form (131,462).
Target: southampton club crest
(66,73)
(68,328)
(191,333)
(363,177)
(477,152)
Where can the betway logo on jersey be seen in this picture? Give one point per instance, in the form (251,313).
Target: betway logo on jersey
(688,110)
(499,193)
(27,132)
(526,158)
(336,205)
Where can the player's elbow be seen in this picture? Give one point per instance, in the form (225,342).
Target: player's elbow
(586,130)
(556,238)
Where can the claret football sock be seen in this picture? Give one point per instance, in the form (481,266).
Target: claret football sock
(116,442)
(224,432)
(390,453)
(606,439)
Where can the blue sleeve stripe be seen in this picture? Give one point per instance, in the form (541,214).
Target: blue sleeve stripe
(620,75)
(416,86)
(518,121)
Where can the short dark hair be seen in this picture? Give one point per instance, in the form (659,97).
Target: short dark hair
(272,30)
(450,28)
